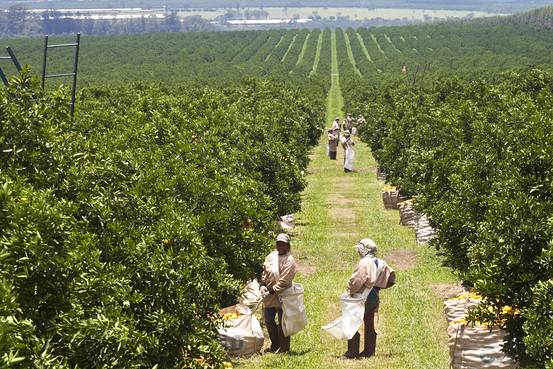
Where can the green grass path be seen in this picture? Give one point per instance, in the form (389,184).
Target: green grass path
(339,209)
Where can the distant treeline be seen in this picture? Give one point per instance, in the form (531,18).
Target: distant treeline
(542,17)
(17,21)
(485,5)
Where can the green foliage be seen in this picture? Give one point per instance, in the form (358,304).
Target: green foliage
(122,232)
(477,156)
(539,323)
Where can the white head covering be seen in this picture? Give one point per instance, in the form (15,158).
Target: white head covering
(366,247)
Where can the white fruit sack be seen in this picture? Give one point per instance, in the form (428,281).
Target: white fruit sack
(353,309)
(457,309)
(287,221)
(252,294)
(473,346)
(425,232)
(350,155)
(294,316)
(477,347)
(243,335)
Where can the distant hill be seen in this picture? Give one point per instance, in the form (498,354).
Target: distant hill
(542,17)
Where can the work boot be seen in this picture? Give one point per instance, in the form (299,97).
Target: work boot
(353,347)
(273,335)
(369,344)
(283,341)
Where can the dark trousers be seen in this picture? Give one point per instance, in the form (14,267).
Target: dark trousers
(371,305)
(332,155)
(279,342)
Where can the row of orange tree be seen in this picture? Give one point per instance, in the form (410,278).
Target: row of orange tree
(122,232)
(478,157)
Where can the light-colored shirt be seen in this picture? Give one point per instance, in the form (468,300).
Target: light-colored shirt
(279,282)
(368,275)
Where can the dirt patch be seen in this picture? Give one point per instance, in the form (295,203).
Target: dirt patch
(340,200)
(341,215)
(402,259)
(343,185)
(305,270)
(446,290)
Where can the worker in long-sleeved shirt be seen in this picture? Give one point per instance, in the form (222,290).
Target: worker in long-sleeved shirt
(278,273)
(332,144)
(373,274)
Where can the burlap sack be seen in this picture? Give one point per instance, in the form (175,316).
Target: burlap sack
(456,309)
(390,197)
(424,230)
(477,347)
(408,216)
(243,335)
(473,346)
(380,174)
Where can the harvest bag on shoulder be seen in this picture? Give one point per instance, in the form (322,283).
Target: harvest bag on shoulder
(294,316)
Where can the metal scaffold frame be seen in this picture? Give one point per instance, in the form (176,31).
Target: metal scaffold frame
(76,45)
(11,56)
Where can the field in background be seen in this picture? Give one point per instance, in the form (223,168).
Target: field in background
(352,12)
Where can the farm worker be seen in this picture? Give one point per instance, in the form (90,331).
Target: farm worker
(332,144)
(336,127)
(279,270)
(404,70)
(348,123)
(349,153)
(371,273)
(360,120)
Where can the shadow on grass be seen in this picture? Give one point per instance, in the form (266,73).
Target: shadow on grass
(298,353)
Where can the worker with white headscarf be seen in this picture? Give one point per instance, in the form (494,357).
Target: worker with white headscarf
(349,152)
(372,274)
(278,273)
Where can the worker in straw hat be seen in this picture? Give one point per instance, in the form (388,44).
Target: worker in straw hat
(278,273)
(372,274)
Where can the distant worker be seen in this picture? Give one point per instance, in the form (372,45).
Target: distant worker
(349,153)
(371,274)
(360,120)
(347,125)
(336,127)
(332,144)
(404,70)
(356,124)
(279,270)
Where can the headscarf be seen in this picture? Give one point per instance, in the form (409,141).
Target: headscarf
(366,247)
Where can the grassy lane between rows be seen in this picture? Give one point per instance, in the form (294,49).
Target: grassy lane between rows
(339,209)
